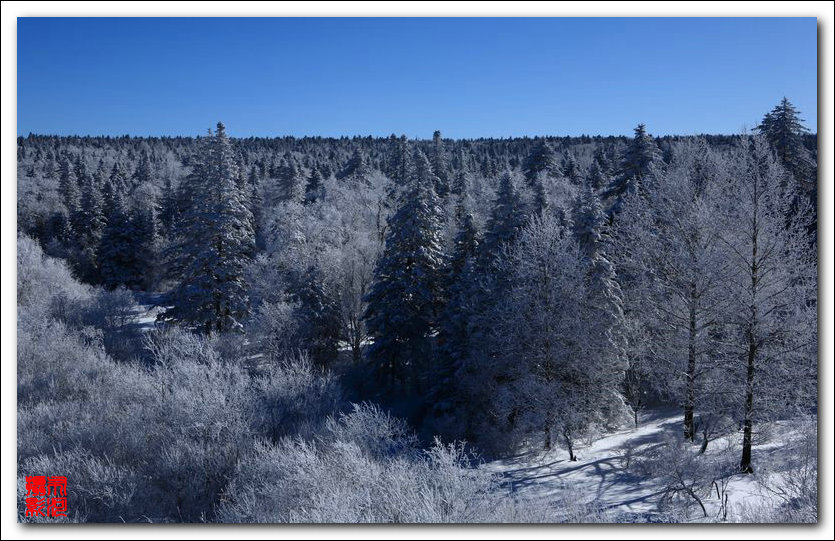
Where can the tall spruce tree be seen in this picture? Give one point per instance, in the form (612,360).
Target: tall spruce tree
(68,186)
(92,214)
(784,130)
(214,242)
(117,255)
(314,190)
(506,219)
(446,395)
(635,168)
(406,293)
(439,164)
(541,160)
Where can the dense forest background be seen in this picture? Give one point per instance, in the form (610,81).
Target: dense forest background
(309,293)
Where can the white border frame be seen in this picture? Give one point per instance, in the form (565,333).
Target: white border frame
(11,10)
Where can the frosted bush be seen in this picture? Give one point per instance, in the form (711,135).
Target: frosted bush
(374,431)
(173,345)
(276,329)
(365,468)
(40,279)
(688,477)
(292,397)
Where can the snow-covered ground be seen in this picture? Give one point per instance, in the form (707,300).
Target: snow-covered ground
(607,475)
(146,310)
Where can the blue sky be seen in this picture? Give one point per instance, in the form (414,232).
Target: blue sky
(466,77)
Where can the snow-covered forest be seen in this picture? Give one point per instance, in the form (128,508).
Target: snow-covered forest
(548,329)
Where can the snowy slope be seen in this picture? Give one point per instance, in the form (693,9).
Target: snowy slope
(608,475)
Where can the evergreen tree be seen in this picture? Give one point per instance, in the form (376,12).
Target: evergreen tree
(314,190)
(588,220)
(571,170)
(357,169)
(541,160)
(461,183)
(404,298)
(255,203)
(540,196)
(400,162)
(446,394)
(145,224)
(68,186)
(292,183)
(143,173)
(119,178)
(119,263)
(506,219)
(635,168)
(439,164)
(597,177)
(92,215)
(168,206)
(784,130)
(319,317)
(214,240)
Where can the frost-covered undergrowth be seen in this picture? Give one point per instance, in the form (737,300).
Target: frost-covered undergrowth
(187,434)
(649,474)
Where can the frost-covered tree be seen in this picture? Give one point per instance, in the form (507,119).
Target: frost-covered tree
(144,172)
(547,377)
(214,242)
(783,128)
(506,219)
(597,176)
(357,169)
(92,215)
(439,164)
(314,190)
(146,245)
(118,258)
(541,160)
(446,395)
(667,243)
(571,170)
(68,186)
(400,161)
(319,318)
(588,225)
(635,168)
(119,178)
(406,293)
(292,182)
(772,283)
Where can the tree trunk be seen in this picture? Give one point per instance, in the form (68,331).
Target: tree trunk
(690,398)
(547,437)
(747,427)
(569,444)
(751,332)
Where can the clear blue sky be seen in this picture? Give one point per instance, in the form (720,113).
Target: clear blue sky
(466,77)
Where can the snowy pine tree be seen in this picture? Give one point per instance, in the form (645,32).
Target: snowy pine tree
(506,219)
(118,258)
(319,318)
(784,130)
(406,293)
(213,244)
(635,168)
(315,189)
(439,164)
